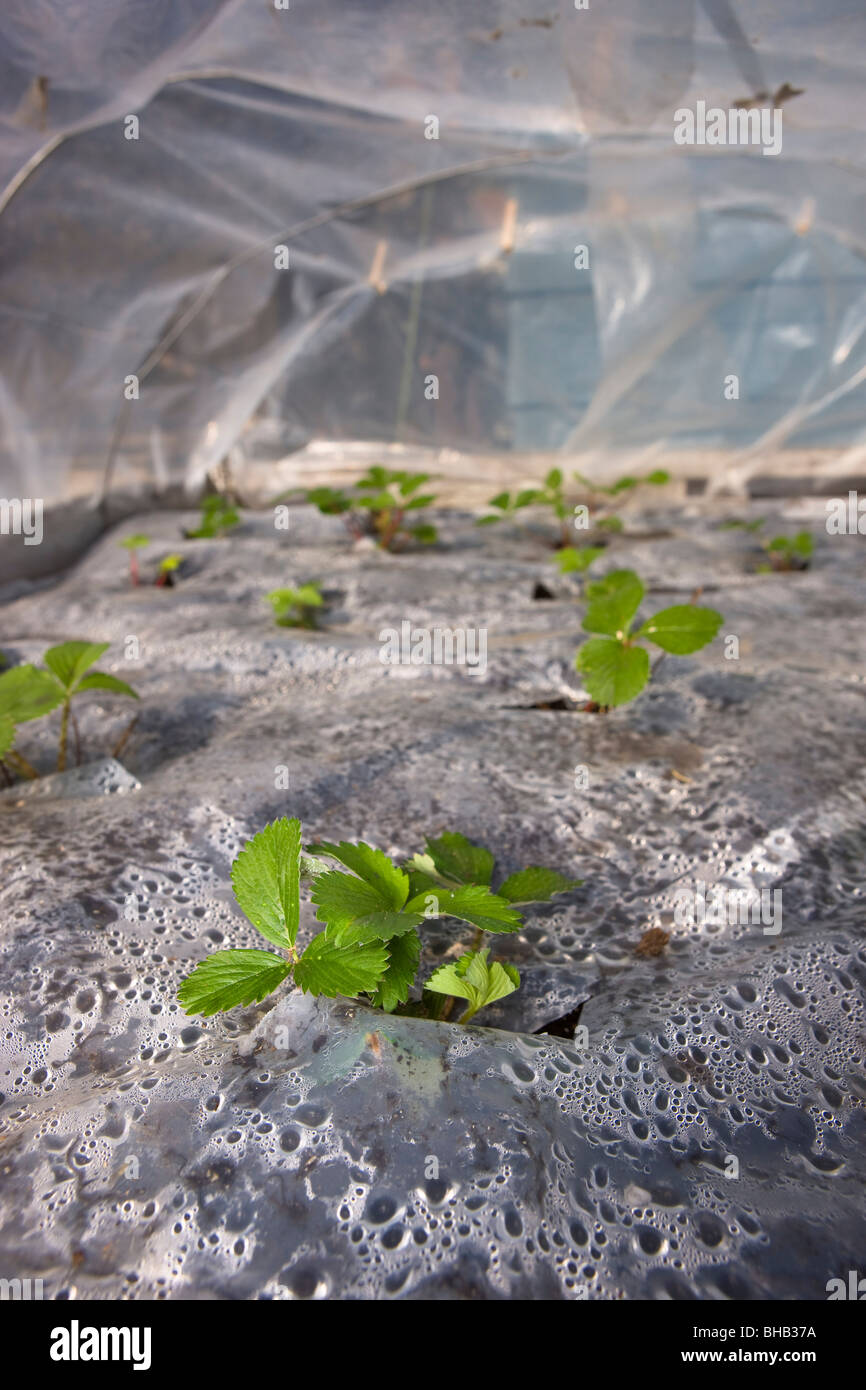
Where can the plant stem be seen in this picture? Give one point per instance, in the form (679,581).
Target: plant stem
(470,1013)
(121,742)
(21,764)
(64,735)
(75,730)
(391,522)
(133,567)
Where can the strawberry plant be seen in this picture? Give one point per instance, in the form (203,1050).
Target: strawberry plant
(788,553)
(217,517)
(70,665)
(609,520)
(614,666)
(387,498)
(133,544)
(453,865)
(296,607)
(547,494)
(168,567)
(370,910)
(29,692)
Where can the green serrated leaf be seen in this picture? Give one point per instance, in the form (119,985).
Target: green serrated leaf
(100,680)
(380,925)
(622,485)
(554,478)
(576,559)
(380,502)
(502,501)
(325,968)
(612,608)
(404,953)
(228,978)
(448,979)
(526,497)
(70,660)
(328,500)
(658,477)
(342,897)
(28,693)
(613,674)
(377,477)
(456,858)
(372,866)
(536,885)
(500,982)
(609,523)
(266,880)
(136,542)
(474,979)
(472,903)
(682,628)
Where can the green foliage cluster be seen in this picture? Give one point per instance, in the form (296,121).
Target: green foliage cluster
(790,552)
(296,607)
(167,565)
(217,517)
(551,493)
(387,498)
(29,692)
(370,910)
(614,666)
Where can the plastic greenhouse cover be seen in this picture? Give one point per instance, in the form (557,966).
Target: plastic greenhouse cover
(149,248)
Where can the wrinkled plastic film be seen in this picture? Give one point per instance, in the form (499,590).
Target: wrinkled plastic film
(155,257)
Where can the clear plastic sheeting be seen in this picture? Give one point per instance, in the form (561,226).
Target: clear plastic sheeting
(409,259)
(703,1137)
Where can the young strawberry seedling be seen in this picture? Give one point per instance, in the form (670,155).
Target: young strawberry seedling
(614,668)
(28,692)
(70,664)
(454,865)
(370,946)
(296,607)
(133,544)
(331,501)
(217,517)
(609,520)
(547,494)
(386,497)
(788,553)
(168,568)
